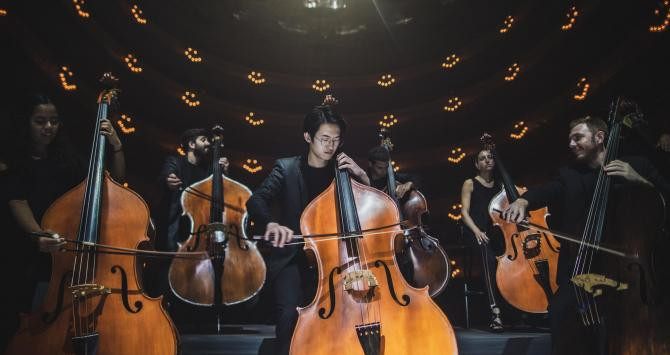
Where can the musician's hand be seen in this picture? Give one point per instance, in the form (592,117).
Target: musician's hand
(225,164)
(173,182)
(279,234)
(481,237)
(516,212)
(664,142)
(623,169)
(107,129)
(402,189)
(345,162)
(329,100)
(50,244)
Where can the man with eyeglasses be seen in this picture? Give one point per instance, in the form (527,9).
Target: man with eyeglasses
(294,182)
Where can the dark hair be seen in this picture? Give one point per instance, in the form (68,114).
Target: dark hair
(378,153)
(60,149)
(594,124)
(475,158)
(320,115)
(190,135)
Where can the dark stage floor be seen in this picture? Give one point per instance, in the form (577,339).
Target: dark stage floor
(259,340)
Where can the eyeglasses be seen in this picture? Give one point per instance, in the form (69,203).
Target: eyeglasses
(327,141)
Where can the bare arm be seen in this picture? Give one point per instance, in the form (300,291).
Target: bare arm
(466,194)
(118,160)
(26,220)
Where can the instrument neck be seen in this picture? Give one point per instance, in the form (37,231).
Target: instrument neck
(595,221)
(347,215)
(90,221)
(510,188)
(216,207)
(391,182)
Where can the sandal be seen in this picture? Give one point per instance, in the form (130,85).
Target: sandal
(496,323)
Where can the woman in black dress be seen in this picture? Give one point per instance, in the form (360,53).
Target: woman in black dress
(476,195)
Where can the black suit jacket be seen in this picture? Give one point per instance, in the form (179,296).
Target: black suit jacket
(285,184)
(569,198)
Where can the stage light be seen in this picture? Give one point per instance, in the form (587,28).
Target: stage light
(665,8)
(123,123)
(254,122)
(181,151)
(137,14)
(125,184)
(252,166)
(192,55)
(131,63)
(388,121)
(3,12)
(256,78)
(450,61)
(386,80)
(325,4)
(582,85)
(512,72)
(453,104)
(63,76)
(572,17)
(320,85)
(79,6)
(455,215)
(519,131)
(395,166)
(457,154)
(190,99)
(507,24)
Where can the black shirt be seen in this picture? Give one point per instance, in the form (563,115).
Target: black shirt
(479,205)
(41,182)
(380,184)
(317,179)
(168,225)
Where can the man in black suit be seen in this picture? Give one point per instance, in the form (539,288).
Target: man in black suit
(294,182)
(569,197)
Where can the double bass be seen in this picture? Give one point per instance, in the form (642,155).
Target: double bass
(620,295)
(94,303)
(363,305)
(235,270)
(430,263)
(526,273)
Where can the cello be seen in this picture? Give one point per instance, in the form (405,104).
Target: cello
(430,263)
(94,303)
(620,296)
(235,270)
(363,305)
(526,273)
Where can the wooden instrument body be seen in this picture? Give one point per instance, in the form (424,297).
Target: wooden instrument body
(429,260)
(137,324)
(244,270)
(526,273)
(637,319)
(410,322)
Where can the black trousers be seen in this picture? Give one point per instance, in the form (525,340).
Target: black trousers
(293,285)
(568,335)
(486,254)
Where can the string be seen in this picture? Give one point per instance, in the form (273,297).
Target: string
(84,220)
(594,223)
(341,198)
